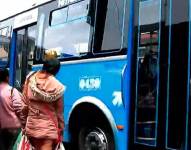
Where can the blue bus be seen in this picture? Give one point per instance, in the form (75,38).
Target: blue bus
(125,63)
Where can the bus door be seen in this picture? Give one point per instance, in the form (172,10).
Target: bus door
(161,108)
(25,48)
(147,74)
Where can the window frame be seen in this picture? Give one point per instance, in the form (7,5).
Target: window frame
(57,9)
(121,49)
(51,16)
(1,29)
(138,46)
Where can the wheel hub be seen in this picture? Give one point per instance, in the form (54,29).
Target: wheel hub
(96,140)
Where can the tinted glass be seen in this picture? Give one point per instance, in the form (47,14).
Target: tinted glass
(110,26)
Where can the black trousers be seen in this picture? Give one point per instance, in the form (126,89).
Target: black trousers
(8,138)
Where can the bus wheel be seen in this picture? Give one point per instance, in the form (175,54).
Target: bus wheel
(95,138)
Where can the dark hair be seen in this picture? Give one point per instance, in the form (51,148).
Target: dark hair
(4,73)
(51,66)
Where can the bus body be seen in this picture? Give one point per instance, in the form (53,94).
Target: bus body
(125,65)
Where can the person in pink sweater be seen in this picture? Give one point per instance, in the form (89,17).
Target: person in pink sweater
(44,106)
(10,106)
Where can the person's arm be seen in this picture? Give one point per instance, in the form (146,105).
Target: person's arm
(17,102)
(60,113)
(20,106)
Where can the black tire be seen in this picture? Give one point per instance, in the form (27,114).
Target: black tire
(95,138)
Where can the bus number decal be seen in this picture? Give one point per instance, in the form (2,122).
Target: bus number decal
(90,83)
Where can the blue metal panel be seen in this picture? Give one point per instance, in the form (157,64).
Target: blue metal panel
(12,58)
(128,74)
(109,74)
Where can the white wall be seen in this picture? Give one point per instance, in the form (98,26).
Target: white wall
(11,7)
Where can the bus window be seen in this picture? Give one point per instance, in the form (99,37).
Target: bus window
(59,16)
(31,45)
(77,11)
(70,39)
(98,25)
(4,46)
(147,78)
(109,28)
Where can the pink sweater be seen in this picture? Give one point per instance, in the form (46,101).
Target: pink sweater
(8,117)
(45,106)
